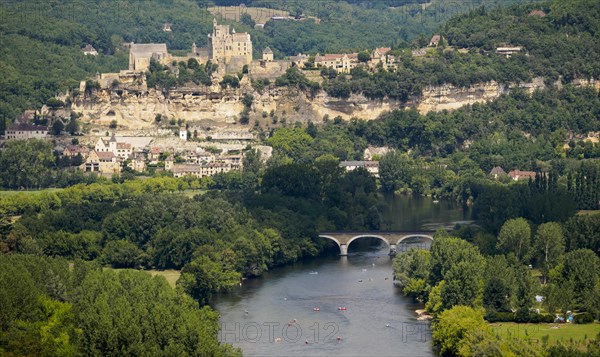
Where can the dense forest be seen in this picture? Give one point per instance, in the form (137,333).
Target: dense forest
(558,39)
(461,287)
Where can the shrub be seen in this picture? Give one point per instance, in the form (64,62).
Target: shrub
(583,318)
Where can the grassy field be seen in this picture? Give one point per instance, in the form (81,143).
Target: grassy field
(8,193)
(535,334)
(170,275)
(192,193)
(588,212)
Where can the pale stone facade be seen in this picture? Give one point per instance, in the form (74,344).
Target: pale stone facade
(342,63)
(20,131)
(267,55)
(180,170)
(229,49)
(104,163)
(140,55)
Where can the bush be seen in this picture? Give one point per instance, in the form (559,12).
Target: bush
(494,316)
(583,318)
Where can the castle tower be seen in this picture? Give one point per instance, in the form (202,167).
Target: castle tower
(267,54)
(229,48)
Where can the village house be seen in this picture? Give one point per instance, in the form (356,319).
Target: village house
(508,51)
(73,150)
(381,56)
(104,163)
(137,162)
(24,131)
(497,172)
(154,155)
(167,27)
(89,50)
(234,161)
(123,150)
(141,54)
(371,166)
(299,60)
(204,170)
(119,149)
(183,134)
(521,175)
(435,40)
(342,63)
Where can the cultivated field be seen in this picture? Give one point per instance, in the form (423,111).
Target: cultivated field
(536,334)
(260,15)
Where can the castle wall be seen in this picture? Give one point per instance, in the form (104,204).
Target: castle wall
(268,70)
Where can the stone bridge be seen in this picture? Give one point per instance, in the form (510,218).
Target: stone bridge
(392,239)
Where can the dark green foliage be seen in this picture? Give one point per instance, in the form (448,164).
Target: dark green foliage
(583,232)
(49,308)
(26,164)
(583,318)
(229,81)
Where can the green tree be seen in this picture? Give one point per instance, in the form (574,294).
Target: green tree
(247,20)
(204,276)
(515,237)
(364,56)
(26,163)
(498,284)
(395,171)
(291,142)
(549,246)
(57,127)
(454,325)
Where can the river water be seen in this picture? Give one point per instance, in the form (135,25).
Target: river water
(274,315)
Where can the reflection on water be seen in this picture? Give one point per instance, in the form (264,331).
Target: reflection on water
(360,313)
(332,305)
(415,213)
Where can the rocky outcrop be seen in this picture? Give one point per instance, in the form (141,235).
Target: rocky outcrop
(449,97)
(137,108)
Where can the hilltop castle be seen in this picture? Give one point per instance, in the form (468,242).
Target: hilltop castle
(228,48)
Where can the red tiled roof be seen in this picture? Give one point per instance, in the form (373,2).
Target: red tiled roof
(518,174)
(105,155)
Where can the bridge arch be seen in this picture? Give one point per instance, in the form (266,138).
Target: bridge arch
(415,236)
(368,236)
(331,238)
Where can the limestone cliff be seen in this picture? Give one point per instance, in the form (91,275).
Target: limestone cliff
(137,108)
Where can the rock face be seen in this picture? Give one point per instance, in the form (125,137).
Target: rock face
(137,108)
(449,97)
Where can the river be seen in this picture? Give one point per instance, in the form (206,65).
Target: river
(274,315)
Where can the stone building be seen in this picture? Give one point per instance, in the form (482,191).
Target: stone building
(267,54)
(140,55)
(342,63)
(24,131)
(89,50)
(104,163)
(229,49)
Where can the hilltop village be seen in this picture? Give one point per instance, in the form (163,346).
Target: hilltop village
(107,147)
(126,121)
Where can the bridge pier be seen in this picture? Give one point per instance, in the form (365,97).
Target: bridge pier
(393,250)
(343,249)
